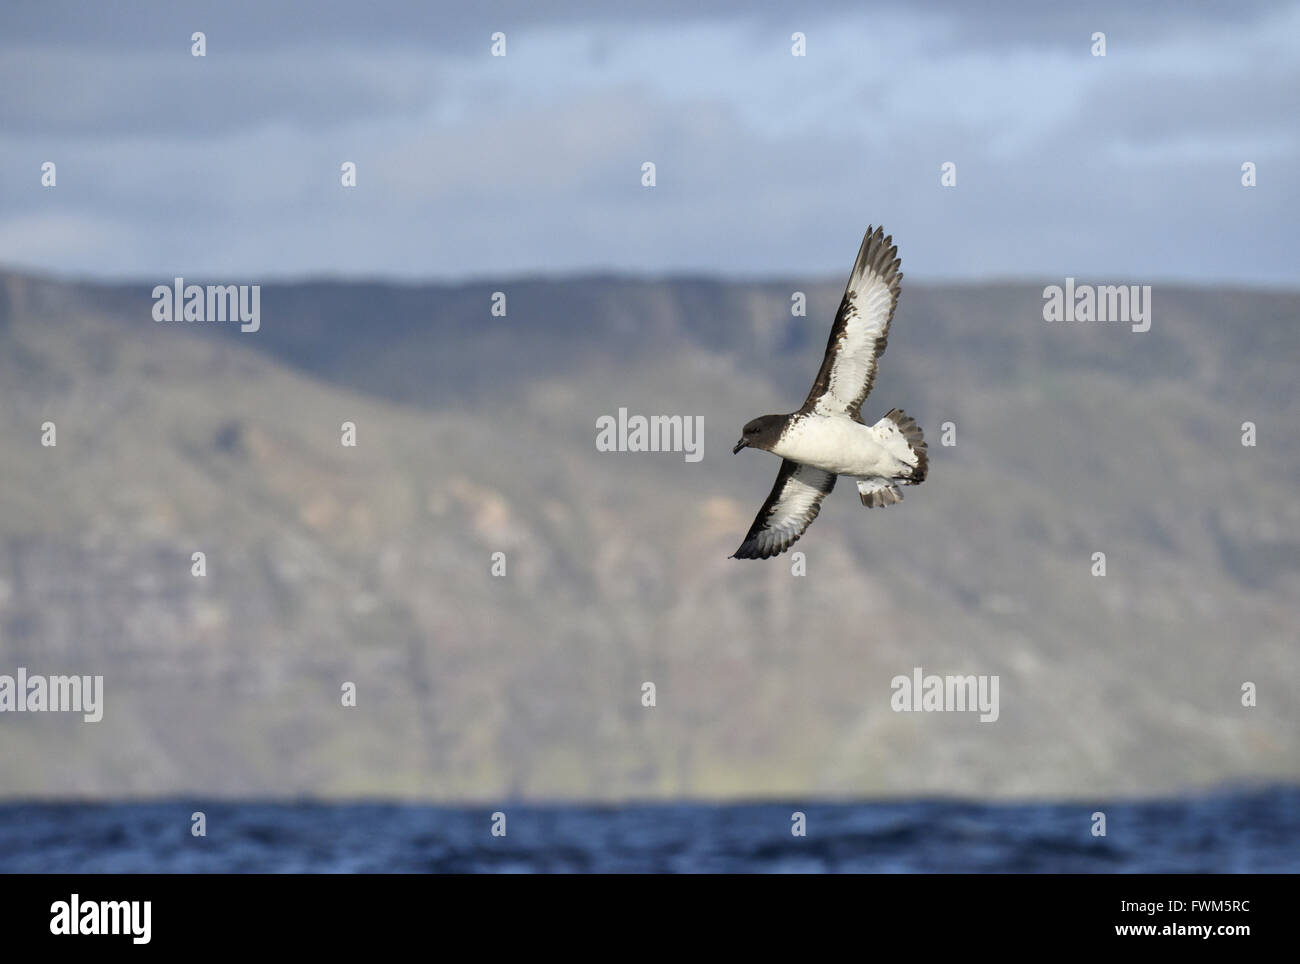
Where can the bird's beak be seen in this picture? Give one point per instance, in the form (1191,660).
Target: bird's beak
(739,445)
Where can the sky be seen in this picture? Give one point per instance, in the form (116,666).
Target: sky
(1122,168)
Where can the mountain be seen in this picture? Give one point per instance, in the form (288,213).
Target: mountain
(476,435)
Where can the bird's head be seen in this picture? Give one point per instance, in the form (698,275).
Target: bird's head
(761,433)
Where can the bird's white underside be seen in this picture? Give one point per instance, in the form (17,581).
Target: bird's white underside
(843,446)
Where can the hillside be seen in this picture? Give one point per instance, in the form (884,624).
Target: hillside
(476,435)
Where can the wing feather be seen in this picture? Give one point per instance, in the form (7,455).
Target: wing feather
(790,508)
(861,330)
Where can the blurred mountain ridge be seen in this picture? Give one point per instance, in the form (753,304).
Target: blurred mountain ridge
(476,433)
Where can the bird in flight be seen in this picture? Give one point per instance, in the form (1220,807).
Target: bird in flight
(827,437)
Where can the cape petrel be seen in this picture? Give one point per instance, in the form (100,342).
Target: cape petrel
(827,437)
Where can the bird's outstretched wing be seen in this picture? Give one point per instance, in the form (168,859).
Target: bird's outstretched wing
(794,502)
(860,331)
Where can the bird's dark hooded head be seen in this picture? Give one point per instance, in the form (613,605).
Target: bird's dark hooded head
(761,433)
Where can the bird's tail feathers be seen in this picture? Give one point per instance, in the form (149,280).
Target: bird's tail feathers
(900,433)
(875,492)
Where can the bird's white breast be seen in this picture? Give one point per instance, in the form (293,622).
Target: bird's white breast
(837,444)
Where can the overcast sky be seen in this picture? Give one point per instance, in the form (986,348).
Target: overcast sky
(1118,168)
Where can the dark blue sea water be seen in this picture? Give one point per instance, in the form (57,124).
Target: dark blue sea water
(1250,832)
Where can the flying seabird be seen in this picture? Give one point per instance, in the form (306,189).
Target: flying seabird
(827,437)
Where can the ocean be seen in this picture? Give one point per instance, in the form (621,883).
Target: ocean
(1236,832)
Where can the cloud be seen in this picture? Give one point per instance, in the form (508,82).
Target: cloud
(173,95)
(767,163)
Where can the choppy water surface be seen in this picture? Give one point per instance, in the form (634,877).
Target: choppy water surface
(1227,833)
